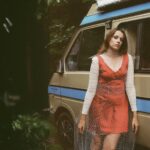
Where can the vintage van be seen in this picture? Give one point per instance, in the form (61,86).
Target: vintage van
(68,84)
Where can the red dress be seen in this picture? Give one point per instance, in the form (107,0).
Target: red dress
(109,108)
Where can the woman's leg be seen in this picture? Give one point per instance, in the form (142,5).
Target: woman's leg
(95,143)
(110,141)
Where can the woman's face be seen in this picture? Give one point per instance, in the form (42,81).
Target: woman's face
(116,40)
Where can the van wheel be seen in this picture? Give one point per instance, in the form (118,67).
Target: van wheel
(65,129)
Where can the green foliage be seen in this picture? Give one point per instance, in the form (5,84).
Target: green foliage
(59,36)
(60,18)
(85,1)
(56,2)
(31,132)
(44,5)
(59,2)
(55,147)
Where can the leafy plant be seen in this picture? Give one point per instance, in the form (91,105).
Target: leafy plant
(59,37)
(31,132)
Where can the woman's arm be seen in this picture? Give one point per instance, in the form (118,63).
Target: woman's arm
(93,80)
(130,88)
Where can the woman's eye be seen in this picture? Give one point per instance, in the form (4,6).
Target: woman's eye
(121,39)
(115,37)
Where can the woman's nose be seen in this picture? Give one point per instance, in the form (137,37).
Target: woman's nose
(118,40)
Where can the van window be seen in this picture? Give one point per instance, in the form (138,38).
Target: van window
(131,29)
(85,46)
(145,46)
(138,35)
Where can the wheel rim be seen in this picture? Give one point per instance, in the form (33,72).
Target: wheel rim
(65,129)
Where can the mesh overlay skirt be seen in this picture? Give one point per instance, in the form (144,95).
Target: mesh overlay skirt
(83,141)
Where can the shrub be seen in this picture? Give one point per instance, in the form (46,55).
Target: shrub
(31,132)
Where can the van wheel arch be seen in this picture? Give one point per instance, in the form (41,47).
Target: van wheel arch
(65,126)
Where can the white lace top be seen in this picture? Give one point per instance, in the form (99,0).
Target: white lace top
(93,80)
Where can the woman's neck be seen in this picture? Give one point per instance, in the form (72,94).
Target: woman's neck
(112,53)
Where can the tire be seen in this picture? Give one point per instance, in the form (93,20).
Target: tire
(65,127)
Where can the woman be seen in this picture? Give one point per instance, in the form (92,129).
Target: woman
(111,87)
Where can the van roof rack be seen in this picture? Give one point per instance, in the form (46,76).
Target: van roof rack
(108,5)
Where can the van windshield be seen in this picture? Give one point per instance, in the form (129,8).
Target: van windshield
(84,48)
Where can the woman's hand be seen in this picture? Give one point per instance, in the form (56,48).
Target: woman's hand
(135,123)
(81,124)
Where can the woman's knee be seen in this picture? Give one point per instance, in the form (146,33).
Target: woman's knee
(95,144)
(109,147)
(111,141)
(96,139)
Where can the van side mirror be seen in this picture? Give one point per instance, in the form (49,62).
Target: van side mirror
(60,68)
